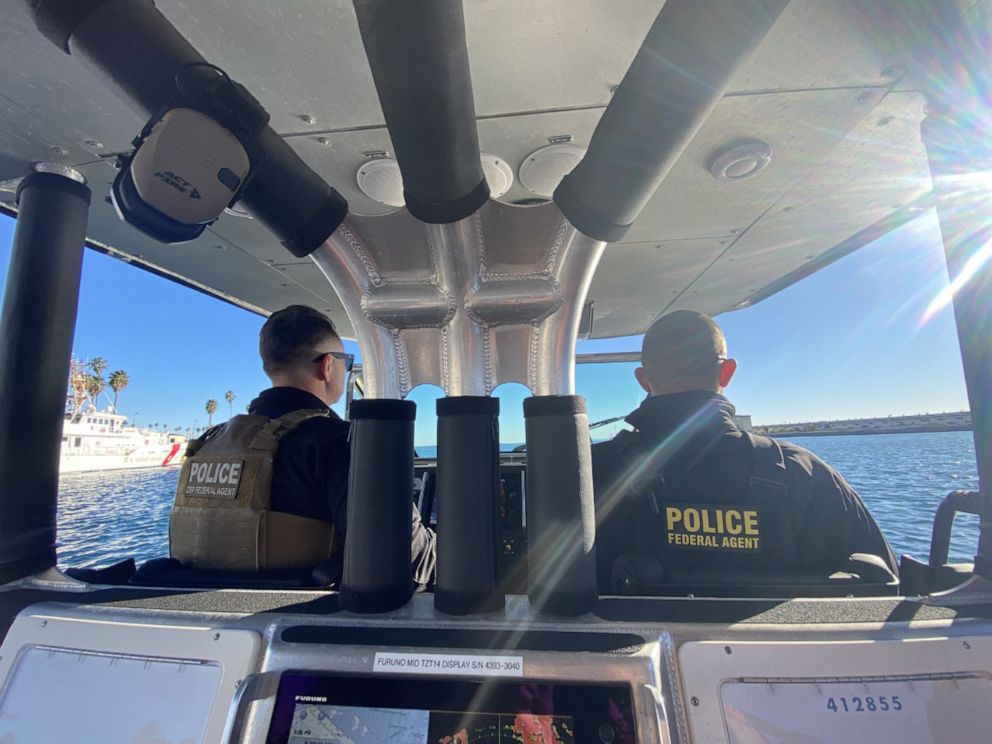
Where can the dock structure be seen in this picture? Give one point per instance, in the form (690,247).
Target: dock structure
(912,424)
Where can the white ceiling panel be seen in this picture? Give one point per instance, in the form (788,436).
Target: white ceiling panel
(879,167)
(306,56)
(814,44)
(802,129)
(636,282)
(48,101)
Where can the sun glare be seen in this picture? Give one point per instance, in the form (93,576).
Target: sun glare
(947,294)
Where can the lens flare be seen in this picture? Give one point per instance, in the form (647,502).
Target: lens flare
(971,267)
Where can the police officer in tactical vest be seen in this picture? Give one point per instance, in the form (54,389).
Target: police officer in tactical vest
(268,491)
(687,497)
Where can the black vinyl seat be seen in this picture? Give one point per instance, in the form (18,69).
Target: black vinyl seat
(170,572)
(863,575)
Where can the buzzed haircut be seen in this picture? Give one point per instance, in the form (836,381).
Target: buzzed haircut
(683,349)
(291,337)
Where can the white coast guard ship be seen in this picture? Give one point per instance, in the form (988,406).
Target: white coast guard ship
(101,440)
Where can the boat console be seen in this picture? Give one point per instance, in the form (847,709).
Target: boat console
(266,667)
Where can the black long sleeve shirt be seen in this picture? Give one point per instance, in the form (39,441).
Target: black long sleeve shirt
(702,466)
(310,473)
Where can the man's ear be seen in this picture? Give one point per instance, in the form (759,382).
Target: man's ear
(326,368)
(727,369)
(642,379)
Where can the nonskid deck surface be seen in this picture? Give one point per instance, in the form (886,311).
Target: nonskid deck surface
(667,652)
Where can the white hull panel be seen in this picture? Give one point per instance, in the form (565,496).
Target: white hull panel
(168,455)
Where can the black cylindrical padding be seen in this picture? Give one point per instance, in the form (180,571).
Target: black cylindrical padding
(467,506)
(561,519)
(134,47)
(378,574)
(36,330)
(658,108)
(419,61)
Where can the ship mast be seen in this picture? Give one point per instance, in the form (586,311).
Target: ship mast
(76,394)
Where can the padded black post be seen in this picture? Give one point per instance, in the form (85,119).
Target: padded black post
(419,61)
(561,519)
(36,330)
(658,108)
(135,48)
(467,506)
(378,575)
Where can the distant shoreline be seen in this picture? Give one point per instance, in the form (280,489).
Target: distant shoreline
(921,423)
(855,432)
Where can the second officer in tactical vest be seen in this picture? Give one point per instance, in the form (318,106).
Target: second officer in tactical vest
(700,498)
(268,491)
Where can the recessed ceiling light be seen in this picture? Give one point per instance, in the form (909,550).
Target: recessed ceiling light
(740,160)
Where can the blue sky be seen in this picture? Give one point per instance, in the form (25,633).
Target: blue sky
(847,342)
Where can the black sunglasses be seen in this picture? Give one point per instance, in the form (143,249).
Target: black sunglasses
(348,359)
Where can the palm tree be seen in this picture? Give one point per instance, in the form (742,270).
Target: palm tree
(229,396)
(211,409)
(94,386)
(98,365)
(118,381)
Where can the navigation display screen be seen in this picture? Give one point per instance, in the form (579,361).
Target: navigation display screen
(318,709)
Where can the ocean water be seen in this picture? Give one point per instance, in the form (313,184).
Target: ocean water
(105,517)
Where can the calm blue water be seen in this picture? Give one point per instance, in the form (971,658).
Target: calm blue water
(902,477)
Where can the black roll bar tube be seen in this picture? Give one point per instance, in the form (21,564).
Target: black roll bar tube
(132,45)
(419,61)
(679,74)
(36,331)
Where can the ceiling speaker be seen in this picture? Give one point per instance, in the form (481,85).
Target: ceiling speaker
(543,169)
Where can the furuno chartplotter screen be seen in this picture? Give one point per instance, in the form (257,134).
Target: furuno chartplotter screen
(320,709)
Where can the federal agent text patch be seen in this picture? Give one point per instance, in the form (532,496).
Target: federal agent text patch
(734,528)
(214,480)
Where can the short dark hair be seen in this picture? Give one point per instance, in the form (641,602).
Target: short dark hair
(291,337)
(684,348)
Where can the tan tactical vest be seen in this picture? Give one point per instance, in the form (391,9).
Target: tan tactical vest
(221,518)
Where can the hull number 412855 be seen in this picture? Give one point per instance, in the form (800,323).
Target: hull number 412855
(869,704)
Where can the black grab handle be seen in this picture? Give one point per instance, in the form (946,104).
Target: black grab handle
(956,502)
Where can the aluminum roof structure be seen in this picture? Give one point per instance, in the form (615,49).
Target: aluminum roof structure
(840,120)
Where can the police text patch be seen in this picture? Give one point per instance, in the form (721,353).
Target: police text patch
(733,528)
(214,480)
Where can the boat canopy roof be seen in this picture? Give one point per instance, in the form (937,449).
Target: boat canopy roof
(829,114)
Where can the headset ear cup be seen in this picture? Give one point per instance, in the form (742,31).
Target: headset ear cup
(136,212)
